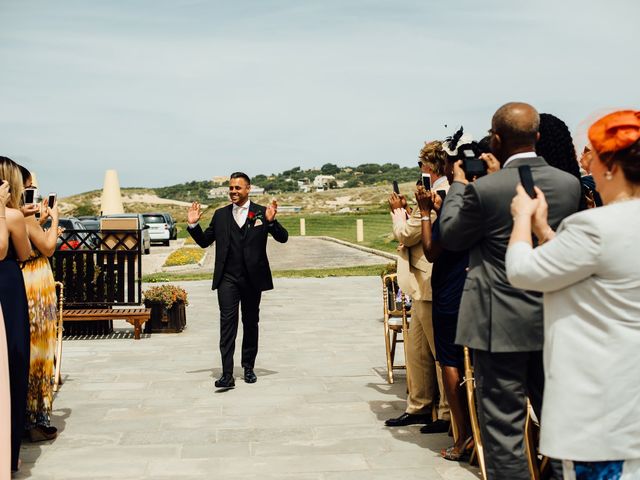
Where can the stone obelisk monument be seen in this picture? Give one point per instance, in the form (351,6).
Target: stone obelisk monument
(111,201)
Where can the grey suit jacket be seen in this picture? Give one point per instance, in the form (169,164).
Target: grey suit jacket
(494,316)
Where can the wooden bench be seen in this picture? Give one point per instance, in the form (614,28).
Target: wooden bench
(135,316)
(102,277)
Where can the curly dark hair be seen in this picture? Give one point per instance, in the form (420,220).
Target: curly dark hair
(556,145)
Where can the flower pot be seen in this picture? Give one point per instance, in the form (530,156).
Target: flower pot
(165,320)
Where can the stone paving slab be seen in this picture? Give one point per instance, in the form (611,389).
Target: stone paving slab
(147,409)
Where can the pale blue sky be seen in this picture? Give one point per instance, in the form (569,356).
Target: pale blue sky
(167,91)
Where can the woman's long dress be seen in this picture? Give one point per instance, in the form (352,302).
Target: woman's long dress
(5,406)
(41,295)
(13,300)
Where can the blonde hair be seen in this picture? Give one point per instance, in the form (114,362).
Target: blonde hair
(434,156)
(10,172)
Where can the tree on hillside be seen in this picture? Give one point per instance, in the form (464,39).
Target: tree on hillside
(329,169)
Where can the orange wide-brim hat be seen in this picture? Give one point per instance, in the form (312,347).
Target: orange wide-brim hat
(615,131)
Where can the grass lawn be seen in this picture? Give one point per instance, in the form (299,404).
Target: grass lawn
(377,228)
(360,271)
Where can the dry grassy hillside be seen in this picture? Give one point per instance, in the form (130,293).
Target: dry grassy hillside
(372,198)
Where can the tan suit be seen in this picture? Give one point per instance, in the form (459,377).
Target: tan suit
(414,279)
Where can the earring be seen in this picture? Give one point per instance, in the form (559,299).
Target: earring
(608,175)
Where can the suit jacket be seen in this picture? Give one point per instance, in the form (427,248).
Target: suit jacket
(494,316)
(590,276)
(414,271)
(255,243)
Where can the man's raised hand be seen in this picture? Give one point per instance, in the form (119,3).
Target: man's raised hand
(272,210)
(194,213)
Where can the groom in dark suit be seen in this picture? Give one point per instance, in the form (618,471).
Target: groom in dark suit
(241,272)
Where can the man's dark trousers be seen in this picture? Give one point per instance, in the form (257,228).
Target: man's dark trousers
(235,294)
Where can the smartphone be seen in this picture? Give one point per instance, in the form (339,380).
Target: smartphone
(442,193)
(472,165)
(395,188)
(29,196)
(52,199)
(526,179)
(426,181)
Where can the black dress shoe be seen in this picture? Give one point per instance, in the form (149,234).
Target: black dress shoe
(409,419)
(250,376)
(225,381)
(439,426)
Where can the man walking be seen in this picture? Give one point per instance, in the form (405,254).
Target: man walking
(241,271)
(501,323)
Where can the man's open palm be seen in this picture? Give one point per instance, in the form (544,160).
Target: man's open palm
(272,209)
(194,214)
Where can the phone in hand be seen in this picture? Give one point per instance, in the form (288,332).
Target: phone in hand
(442,193)
(52,200)
(29,196)
(526,179)
(472,165)
(395,187)
(426,181)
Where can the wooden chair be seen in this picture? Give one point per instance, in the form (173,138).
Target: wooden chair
(539,467)
(478,449)
(396,322)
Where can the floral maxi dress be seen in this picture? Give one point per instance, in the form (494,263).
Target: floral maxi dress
(41,297)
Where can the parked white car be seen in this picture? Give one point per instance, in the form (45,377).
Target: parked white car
(159,229)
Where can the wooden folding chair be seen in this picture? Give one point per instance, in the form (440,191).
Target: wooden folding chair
(396,321)
(478,449)
(57,378)
(539,467)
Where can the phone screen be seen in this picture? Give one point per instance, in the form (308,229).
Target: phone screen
(52,200)
(442,193)
(426,181)
(527,180)
(29,196)
(395,187)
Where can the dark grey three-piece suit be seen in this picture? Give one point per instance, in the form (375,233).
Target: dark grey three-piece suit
(501,323)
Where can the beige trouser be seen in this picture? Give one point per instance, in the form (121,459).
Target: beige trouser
(422,368)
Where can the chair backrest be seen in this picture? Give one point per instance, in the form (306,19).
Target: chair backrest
(394,299)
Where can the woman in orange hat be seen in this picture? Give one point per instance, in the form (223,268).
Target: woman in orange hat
(589,272)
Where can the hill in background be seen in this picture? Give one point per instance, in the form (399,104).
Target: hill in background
(366,189)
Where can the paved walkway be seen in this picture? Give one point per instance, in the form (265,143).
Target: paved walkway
(298,253)
(148,410)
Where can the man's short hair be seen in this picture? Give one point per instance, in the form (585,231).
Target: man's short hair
(517,123)
(241,175)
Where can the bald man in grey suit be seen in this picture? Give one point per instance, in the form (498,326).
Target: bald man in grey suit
(503,324)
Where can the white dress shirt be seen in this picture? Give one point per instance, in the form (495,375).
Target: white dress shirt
(520,155)
(240,212)
(440,184)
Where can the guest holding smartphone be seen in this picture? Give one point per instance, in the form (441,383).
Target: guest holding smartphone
(41,294)
(589,273)
(5,398)
(447,282)
(13,300)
